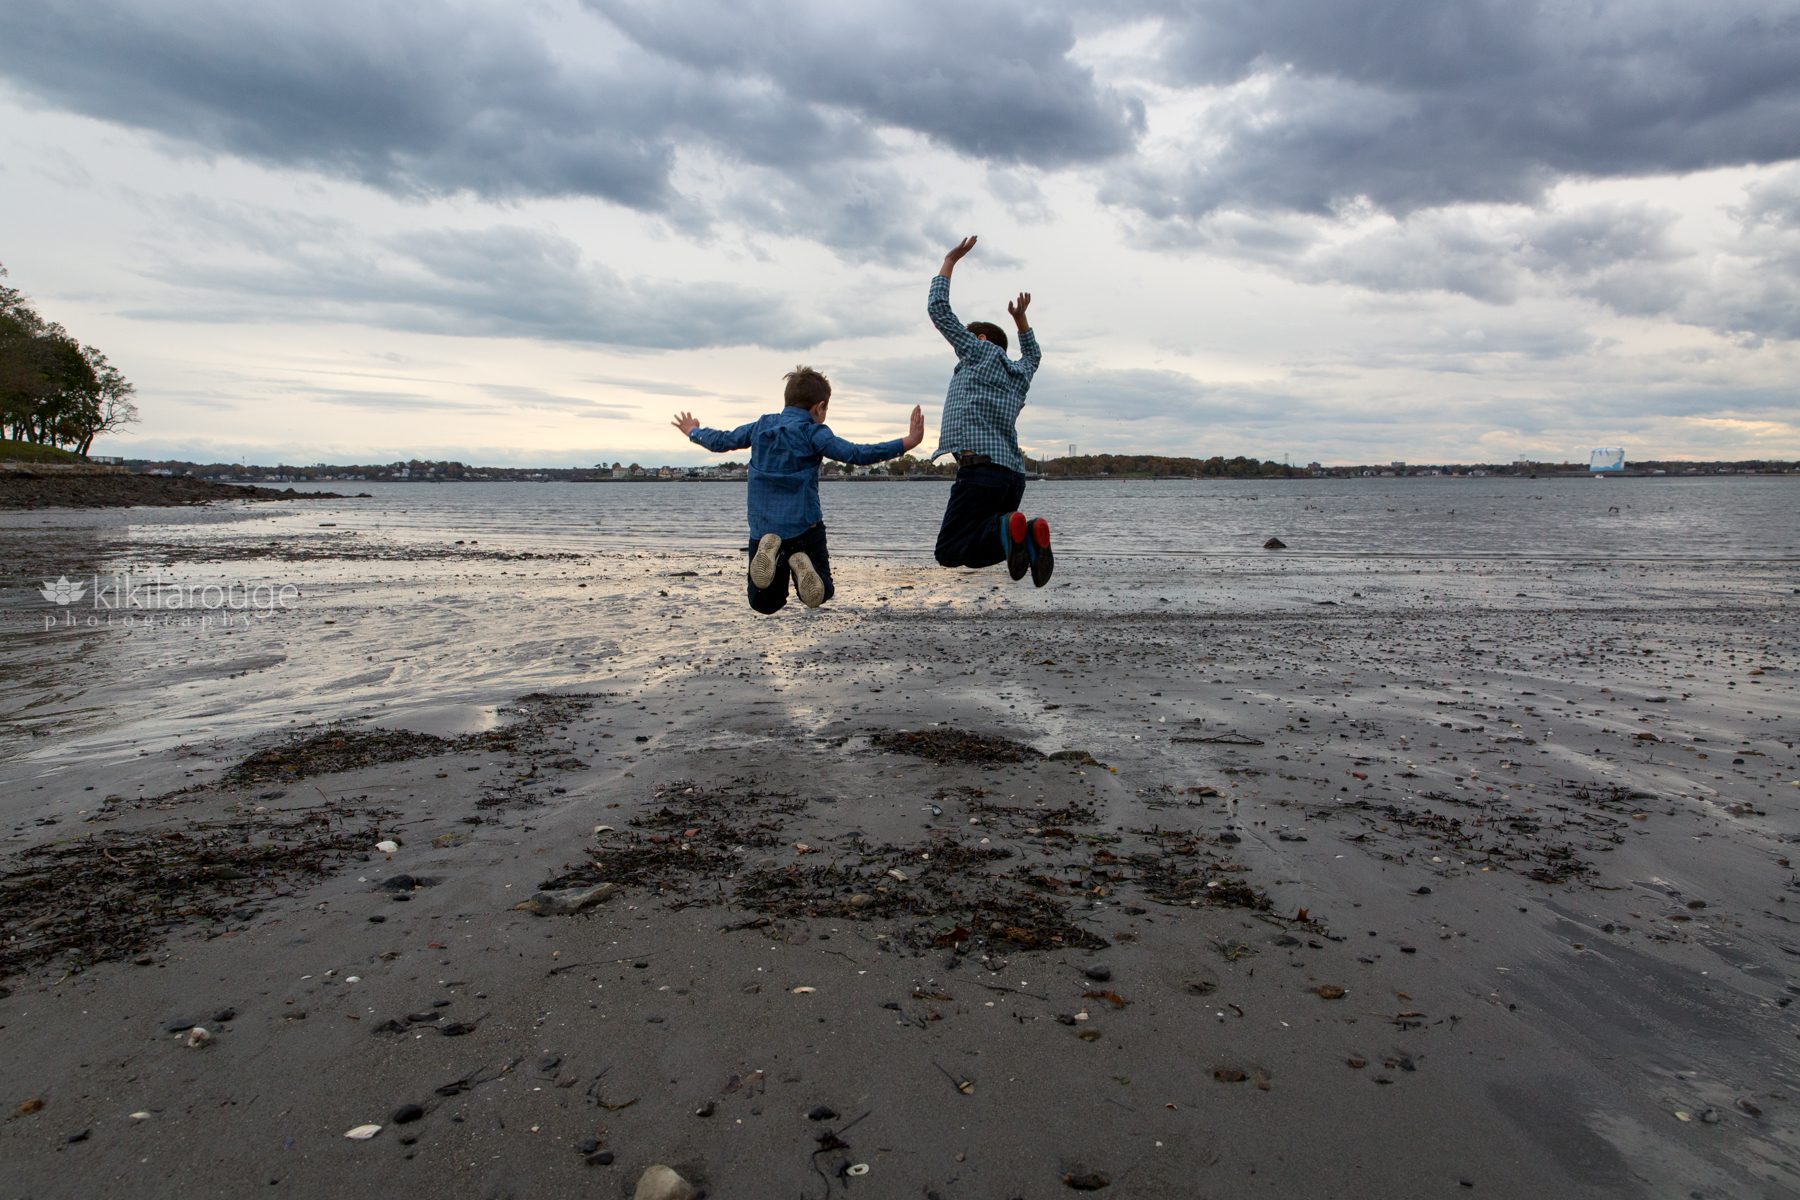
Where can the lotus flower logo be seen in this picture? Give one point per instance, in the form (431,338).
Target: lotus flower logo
(63,591)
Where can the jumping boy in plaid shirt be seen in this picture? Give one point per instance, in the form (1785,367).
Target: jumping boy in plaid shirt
(787,526)
(982,522)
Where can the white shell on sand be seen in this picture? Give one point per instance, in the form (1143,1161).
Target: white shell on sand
(362,1133)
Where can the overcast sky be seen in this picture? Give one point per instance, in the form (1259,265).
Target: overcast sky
(529,233)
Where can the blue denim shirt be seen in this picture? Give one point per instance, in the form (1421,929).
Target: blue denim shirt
(987,390)
(786,449)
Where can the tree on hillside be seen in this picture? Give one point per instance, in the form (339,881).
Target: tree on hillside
(53,389)
(112,407)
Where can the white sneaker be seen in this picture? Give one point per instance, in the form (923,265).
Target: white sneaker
(762,563)
(806,580)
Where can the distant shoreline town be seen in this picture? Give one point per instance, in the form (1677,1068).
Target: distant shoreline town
(1084,467)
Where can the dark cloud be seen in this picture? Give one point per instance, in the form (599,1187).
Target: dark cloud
(502,281)
(1762,297)
(866,212)
(992,81)
(793,106)
(1624,258)
(1496,257)
(1447,252)
(1414,104)
(1773,203)
(407,98)
(1492,255)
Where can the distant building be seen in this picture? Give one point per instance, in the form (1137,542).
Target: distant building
(1607,460)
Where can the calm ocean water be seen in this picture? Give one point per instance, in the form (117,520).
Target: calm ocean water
(1741,518)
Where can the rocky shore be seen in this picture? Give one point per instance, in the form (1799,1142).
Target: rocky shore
(41,485)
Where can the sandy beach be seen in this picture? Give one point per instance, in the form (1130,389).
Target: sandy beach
(1203,878)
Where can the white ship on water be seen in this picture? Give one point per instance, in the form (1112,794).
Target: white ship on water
(1604,462)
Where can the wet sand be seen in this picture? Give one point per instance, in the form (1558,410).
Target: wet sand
(1202,877)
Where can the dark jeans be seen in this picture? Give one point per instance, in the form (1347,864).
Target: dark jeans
(981,495)
(775,597)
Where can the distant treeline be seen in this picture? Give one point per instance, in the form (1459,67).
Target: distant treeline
(1092,466)
(54,391)
(1216,467)
(1100,466)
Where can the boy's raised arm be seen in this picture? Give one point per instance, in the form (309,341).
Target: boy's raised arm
(719,441)
(1016,310)
(938,306)
(956,255)
(1029,353)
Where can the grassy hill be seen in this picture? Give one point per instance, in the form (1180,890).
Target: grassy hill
(11,451)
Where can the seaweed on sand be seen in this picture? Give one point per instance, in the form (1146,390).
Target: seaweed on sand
(1539,844)
(114,894)
(950,745)
(944,894)
(331,751)
(692,848)
(339,748)
(694,833)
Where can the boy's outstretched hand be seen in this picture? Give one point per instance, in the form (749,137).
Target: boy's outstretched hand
(685,422)
(915,430)
(1017,309)
(955,256)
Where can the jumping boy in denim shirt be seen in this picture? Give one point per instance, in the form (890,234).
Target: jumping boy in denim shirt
(982,522)
(787,526)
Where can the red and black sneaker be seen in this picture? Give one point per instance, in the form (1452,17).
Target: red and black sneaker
(1014,539)
(1037,549)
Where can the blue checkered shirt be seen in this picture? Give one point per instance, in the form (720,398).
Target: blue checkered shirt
(987,390)
(786,449)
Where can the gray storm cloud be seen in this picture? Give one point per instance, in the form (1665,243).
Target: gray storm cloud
(1412,104)
(1399,106)
(994,81)
(431,101)
(399,97)
(502,281)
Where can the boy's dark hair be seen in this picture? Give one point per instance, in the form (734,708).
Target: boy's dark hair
(806,388)
(994,333)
